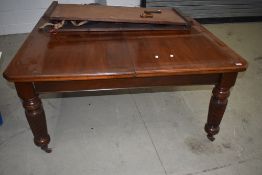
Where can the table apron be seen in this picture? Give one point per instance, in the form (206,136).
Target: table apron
(124,83)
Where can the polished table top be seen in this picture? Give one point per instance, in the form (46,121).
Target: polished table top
(103,55)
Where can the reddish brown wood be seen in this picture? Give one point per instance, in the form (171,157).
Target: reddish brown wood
(105,55)
(73,61)
(121,83)
(50,9)
(35,114)
(218,103)
(114,14)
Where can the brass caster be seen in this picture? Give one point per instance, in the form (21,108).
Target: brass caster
(46,149)
(210,137)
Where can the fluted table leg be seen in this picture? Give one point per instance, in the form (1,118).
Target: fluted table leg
(35,114)
(218,104)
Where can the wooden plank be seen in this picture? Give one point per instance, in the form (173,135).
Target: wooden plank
(122,83)
(113,14)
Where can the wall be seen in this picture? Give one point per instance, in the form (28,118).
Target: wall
(20,16)
(129,3)
(212,8)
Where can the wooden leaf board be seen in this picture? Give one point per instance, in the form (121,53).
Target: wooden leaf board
(115,14)
(119,26)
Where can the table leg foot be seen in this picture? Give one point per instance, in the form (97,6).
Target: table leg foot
(216,111)
(42,142)
(46,149)
(36,118)
(211,132)
(218,103)
(211,137)
(35,114)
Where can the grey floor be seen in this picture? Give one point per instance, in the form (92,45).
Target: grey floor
(140,132)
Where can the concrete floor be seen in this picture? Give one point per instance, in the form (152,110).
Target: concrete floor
(140,132)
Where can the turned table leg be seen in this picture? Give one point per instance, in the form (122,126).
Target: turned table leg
(218,103)
(35,114)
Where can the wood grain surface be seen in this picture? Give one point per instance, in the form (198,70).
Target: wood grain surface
(114,14)
(102,55)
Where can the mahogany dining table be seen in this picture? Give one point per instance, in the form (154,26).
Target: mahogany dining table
(102,60)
